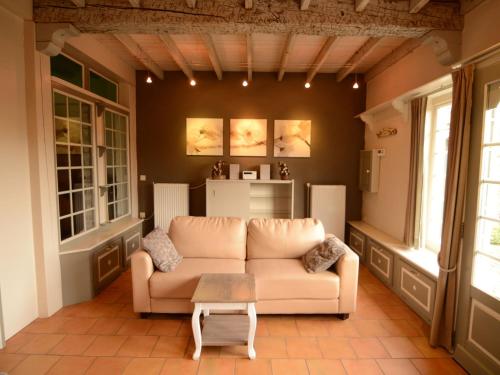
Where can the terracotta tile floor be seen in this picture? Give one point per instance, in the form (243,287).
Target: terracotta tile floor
(105,336)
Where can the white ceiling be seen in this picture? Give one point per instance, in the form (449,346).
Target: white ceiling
(267,51)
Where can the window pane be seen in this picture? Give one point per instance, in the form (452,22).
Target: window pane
(62,156)
(86,113)
(86,135)
(77,201)
(122,208)
(75,132)
(87,177)
(111,194)
(111,212)
(65,228)
(488,238)
(89,219)
(491,161)
(62,180)
(60,105)
(492,123)
(109,138)
(74,109)
(486,275)
(110,176)
(89,199)
(76,156)
(87,156)
(109,157)
(78,223)
(76,179)
(67,69)
(64,205)
(490,200)
(61,130)
(103,87)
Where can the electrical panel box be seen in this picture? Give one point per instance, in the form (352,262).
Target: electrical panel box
(369,170)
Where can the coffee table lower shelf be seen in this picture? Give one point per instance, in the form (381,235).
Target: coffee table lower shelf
(224,330)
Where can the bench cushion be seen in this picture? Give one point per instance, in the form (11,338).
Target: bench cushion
(278,279)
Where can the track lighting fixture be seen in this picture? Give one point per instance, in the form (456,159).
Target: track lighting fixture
(356,85)
(307,85)
(149,79)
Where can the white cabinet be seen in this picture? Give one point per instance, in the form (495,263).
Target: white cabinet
(250,198)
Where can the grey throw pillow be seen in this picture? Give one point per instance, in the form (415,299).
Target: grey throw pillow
(324,255)
(162,250)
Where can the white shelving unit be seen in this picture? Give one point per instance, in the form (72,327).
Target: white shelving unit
(250,198)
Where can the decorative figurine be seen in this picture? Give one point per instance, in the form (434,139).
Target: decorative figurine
(218,171)
(284,172)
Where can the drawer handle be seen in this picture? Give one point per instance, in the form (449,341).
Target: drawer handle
(378,261)
(109,262)
(414,287)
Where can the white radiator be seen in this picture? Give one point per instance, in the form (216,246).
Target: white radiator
(327,203)
(170,200)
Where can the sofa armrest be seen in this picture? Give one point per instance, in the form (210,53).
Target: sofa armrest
(142,270)
(348,269)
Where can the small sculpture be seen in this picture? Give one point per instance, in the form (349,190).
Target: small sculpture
(218,171)
(284,172)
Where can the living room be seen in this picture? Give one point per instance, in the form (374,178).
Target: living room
(240,187)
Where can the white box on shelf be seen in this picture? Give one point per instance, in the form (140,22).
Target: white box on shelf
(249,175)
(265,171)
(234,171)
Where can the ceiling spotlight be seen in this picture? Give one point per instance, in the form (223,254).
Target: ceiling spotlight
(356,85)
(307,85)
(245,83)
(149,79)
(192,82)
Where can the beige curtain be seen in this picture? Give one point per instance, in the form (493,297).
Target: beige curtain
(442,329)
(418,108)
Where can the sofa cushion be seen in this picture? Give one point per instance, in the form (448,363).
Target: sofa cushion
(162,250)
(182,282)
(324,255)
(278,279)
(209,237)
(283,238)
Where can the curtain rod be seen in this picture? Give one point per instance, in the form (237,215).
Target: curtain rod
(479,57)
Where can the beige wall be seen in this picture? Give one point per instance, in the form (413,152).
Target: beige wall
(386,209)
(17,266)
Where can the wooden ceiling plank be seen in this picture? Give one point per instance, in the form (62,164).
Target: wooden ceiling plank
(250,56)
(392,58)
(78,3)
(136,51)
(320,59)
(360,5)
(248,4)
(416,5)
(304,4)
(212,55)
(290,39)
(135,3)
(191,3)
(177,55)
(357,58)
(329,18)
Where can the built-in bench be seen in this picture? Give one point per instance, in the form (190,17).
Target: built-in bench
(410,273)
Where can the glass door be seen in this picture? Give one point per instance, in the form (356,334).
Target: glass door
(478,328)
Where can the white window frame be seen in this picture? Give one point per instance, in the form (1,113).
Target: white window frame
(433,104)
(103,183)
(482,181)
(94,170)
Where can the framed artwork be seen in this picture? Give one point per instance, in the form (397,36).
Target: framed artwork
(248,137)
(204,136)
(292,138)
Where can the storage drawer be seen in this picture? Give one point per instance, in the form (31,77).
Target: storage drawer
(107,264)
(357,242)
(416,289)
(132,242)
(381,261)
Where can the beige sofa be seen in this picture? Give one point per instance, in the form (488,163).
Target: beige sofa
(268,248)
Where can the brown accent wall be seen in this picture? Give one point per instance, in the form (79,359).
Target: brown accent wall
(162,109)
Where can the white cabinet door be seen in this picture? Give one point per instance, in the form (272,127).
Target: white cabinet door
(228,198)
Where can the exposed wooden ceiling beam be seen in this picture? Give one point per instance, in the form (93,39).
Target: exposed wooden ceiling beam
(360,5)
(286,53)
(136,51)
(329,18)
(79,3)
(397,54)
(358,57)
(249,56)
(177,55)
(191,3)
(135,3)
(304,4)
(416,5)
(248,4)
(320,59)
(212,54)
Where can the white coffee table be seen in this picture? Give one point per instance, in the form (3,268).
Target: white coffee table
(224,291)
